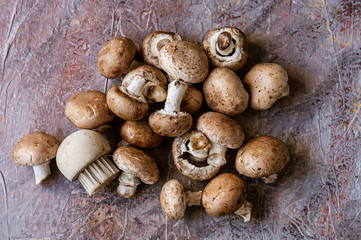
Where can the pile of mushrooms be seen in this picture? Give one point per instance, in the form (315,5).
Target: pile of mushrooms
(162,98)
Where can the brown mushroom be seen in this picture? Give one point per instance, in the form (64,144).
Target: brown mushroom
(224,92)
(36,149)
(266,83)
(226,47)
(192,100)
(262,157)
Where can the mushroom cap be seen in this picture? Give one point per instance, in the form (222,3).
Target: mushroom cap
(224,92)
(170,125)
(223,195)
(233,61)
(137,163)
(192,100)
(115,57)
(35,149)
(139,134)
(262,157)
(78,150)
(221,129)
(266,83)
(124,106)
(185,167)
(153,43)
(173,200)
(184,60)
(88,110)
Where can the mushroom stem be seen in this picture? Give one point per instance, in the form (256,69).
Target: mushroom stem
(198,146)
(176,91)
(193,198)
(136,86)
(225,45)
(128,184)
(270,179)
(245,211)
(98,173)
(41,172)
(217,155)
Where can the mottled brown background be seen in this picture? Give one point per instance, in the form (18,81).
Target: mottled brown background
(48,53)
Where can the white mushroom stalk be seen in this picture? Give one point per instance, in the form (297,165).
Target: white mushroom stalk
(41,172)
(225,45)
(136,86)
(270,179)
(97,173)
(128,184)
(245,211)
(217,155)
(193,198)
(198,146)
(176,91)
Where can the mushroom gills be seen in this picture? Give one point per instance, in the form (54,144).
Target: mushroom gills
(128,184)
(41,172)
(97,174)
(245,211)
(217,155)
(270,179)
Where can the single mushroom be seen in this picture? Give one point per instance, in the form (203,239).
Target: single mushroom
(81,156)
(226,47)
(139,134)
(36,149)
(115,57)
(174,200)
(224,92)
(226,194)
(266,83)
(262,157)
(195,145)
(223,132)
(153,43)
(135,165)
(88,110)
(192,100)
(170,121)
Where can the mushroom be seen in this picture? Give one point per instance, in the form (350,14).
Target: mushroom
(223,132)
(170,121)
(36,149)
(88,110)
(192,100)
(262,157)
(224,92)
(81,156)
(226,194)
(153,43)
(115,57)
(226,47)
(174,200)
(135,165)
(197,145)
(266,83)
(139,134)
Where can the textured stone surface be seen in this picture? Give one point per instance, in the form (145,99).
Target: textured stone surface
(48,54)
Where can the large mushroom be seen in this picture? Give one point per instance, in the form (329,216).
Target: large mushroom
(81,156)
(36,150)
(226,47)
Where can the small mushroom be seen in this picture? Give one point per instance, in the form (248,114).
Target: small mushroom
(174,200)
(192,100)
(88,110)
(153,43)
(266,83)
(226,194)
(115,57)
(223,132)
(81,156)
(226,47)
(36,149)
(262,157)
(139,134)
(135,165)
(224,92)
(170,121)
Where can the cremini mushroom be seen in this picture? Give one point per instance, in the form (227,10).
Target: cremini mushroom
(81,156)
(266,83)
(139,134)
(224,92)
(88,110)
(36,150)
(153,43)
(174,200)
(226,194)
(135,165)
(226,47)
(115,57)
(192,100)
(262,157)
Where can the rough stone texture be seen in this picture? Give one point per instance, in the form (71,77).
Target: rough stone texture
(48,54)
